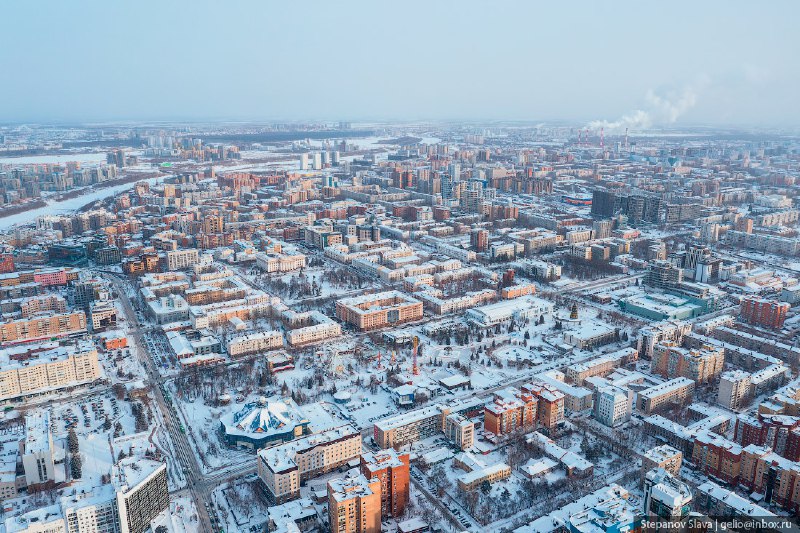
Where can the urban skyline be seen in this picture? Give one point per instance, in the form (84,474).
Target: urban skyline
(427,267)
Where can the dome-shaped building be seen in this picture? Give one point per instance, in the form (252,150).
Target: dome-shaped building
(264,422)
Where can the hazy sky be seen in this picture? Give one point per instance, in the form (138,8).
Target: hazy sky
(638,63)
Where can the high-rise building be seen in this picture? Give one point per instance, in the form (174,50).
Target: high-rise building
(605,204)
(37,450)
(549,406)
(446,186)
(734,389)
(766,313)
(663,275)
(142,493)
(391,468)
(354,505)
(479,240)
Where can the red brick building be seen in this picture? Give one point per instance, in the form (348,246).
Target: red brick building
(6,263)
(717,456)
(780,433)
(767,313)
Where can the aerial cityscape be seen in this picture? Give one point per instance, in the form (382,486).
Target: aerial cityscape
(558,320)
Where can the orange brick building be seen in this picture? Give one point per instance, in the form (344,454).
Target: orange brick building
(392,469)
(550,412)
(371,311)
(510,409)
(354,505)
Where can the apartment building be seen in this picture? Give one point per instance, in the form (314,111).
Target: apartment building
(37,451)
(612,405)
(42,327)
(282,468)
(665,457)
(760,312)
(756,343)
(254,343)
(649,337)
(714,500)
(778,478)
(672,392)
(321,328)
(354,505)
(421,423)
(666,497)
(510,409)
(181,259)
(577,373)
(372,311)
(392,469)
(137,494)
(409,427)
(781,433)
(701,365)
(515,291)
(209,294)
(102,315)
(549,406)
(39,304)
(433,301)
(142,493)
(717,456)
(48,370)
(459,430)
(734,389)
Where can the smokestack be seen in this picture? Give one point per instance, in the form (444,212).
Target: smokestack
(602,140)
(626,139)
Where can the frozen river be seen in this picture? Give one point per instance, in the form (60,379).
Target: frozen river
(94,157)
(69,205)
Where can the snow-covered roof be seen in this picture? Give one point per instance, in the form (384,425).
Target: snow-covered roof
(264,418)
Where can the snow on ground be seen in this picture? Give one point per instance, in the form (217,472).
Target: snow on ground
(180,517)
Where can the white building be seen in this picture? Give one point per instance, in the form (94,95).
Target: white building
(37,449)
(612,405)
(734,388)
(526,307)
(181,259)
(254,343)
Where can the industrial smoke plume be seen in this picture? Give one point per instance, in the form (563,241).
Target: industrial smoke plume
(660,110)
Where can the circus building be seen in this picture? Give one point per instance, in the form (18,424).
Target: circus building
(263,423)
